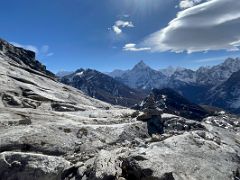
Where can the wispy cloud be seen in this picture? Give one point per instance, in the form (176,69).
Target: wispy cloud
(211,25)
(126,15)
(123,16)
(43,51)
(184,4)
(28,47)
(119,25)
(133,47)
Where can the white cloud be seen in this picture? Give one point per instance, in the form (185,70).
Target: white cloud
(211,59)
(50,54)
(44,50)
(132,47)
(184,4)
(212,25)
(117,27)
(117,30)
(123,16)
(126,15)
(28,47)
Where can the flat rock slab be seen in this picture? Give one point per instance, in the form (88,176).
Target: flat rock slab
(30,166)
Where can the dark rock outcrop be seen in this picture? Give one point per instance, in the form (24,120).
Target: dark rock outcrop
(171,102)
(23,57)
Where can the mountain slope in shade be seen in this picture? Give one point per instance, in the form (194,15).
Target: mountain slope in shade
(212,76)
(117,73)
(171,102)
(184,75)
(61,74)
(103,87)
(227,95)
(169,71)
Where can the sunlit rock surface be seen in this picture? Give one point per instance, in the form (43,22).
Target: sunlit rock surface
(51,131)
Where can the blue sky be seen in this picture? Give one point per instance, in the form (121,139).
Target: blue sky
(72,34)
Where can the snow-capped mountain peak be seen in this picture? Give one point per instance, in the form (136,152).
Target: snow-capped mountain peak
(170,70)
(140,65)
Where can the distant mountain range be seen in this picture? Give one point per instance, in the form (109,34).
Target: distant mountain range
(227,94)
(103,87)
(216,86)
(141,73)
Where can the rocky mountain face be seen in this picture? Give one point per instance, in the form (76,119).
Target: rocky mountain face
(61,74)
(212,76)
(103,87)
(227,94)
(184,75)
(52,131)
(22,57)
(204,76)
(194,85)
(169,70)
(116,73)
(143,77)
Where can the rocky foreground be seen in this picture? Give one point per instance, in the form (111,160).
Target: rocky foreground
(50,131)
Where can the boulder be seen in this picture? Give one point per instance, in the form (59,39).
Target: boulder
(107,165)
(30,166)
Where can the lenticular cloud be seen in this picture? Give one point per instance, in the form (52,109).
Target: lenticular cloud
(213,25)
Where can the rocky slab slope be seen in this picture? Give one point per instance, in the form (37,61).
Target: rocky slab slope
(50,131)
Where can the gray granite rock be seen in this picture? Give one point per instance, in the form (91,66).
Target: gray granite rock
(50,131)
(30,166)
